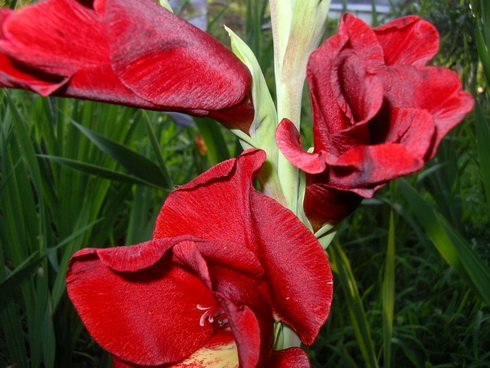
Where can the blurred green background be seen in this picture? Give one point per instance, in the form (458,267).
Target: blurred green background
(411,265)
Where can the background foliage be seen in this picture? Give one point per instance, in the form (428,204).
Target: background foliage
(411,265)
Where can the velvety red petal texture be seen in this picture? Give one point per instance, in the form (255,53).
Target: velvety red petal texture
(289,141)
(281,241)
(364,167)
(290,358)
(126,312)
(324,204)
(379,112)
(121,51)
(220,352)
(409,40)
(225,263)
(225,196)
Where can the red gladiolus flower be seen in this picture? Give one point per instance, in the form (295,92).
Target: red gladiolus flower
(224,263)
(127,52)
(379,112)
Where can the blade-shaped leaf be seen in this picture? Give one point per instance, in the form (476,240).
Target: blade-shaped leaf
(157,151)
(482,138)
(135,163)
(452,246)
(478,271)
(11,283)
(341,265)
(214,139)
(99,171)
(388,294)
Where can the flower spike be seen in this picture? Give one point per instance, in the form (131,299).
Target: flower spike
(379,112)
(210,285)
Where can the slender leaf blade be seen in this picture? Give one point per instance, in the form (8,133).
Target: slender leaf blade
(135,163)
(482,138)
(214,139)
(360,324)
(451,245)
(388,294)
(99,171)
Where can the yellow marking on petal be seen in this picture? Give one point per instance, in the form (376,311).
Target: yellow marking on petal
(214,356)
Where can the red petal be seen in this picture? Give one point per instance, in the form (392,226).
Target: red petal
(187,255)
(235,211)
(247,334)
(246,310)
(435,89)
(231,254)
(360,96)
(344,88)
(362,39)
(135,257)
(221,196)
(361,168)
(63,42)
(290,358)
(178,66)
(289,142)
(127,312)
(323,95)
(413,128)
(15,75)
(323,204)
(67,42)
(300,295)
(58,37)
(100,83)
(408,40)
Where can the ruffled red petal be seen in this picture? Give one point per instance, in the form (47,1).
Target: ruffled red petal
(301,295)
(408,40)
(324,204)
(361,168)
(379,112)
(435,89)
(234,210)
(125,52)
(167,61)
(290,358)
(142,316)
(289,142)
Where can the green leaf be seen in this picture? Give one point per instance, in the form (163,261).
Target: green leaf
(214,139)
(483,53)
(12,282)
(452,247)
(359,322)
(482,139)
(262,130)
(478,272)
(99,171)
(265,121)
(15,278)
(157,151)
(388,294)
(135,163)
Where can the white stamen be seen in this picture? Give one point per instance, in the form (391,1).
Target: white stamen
(203,318)
(212,314)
